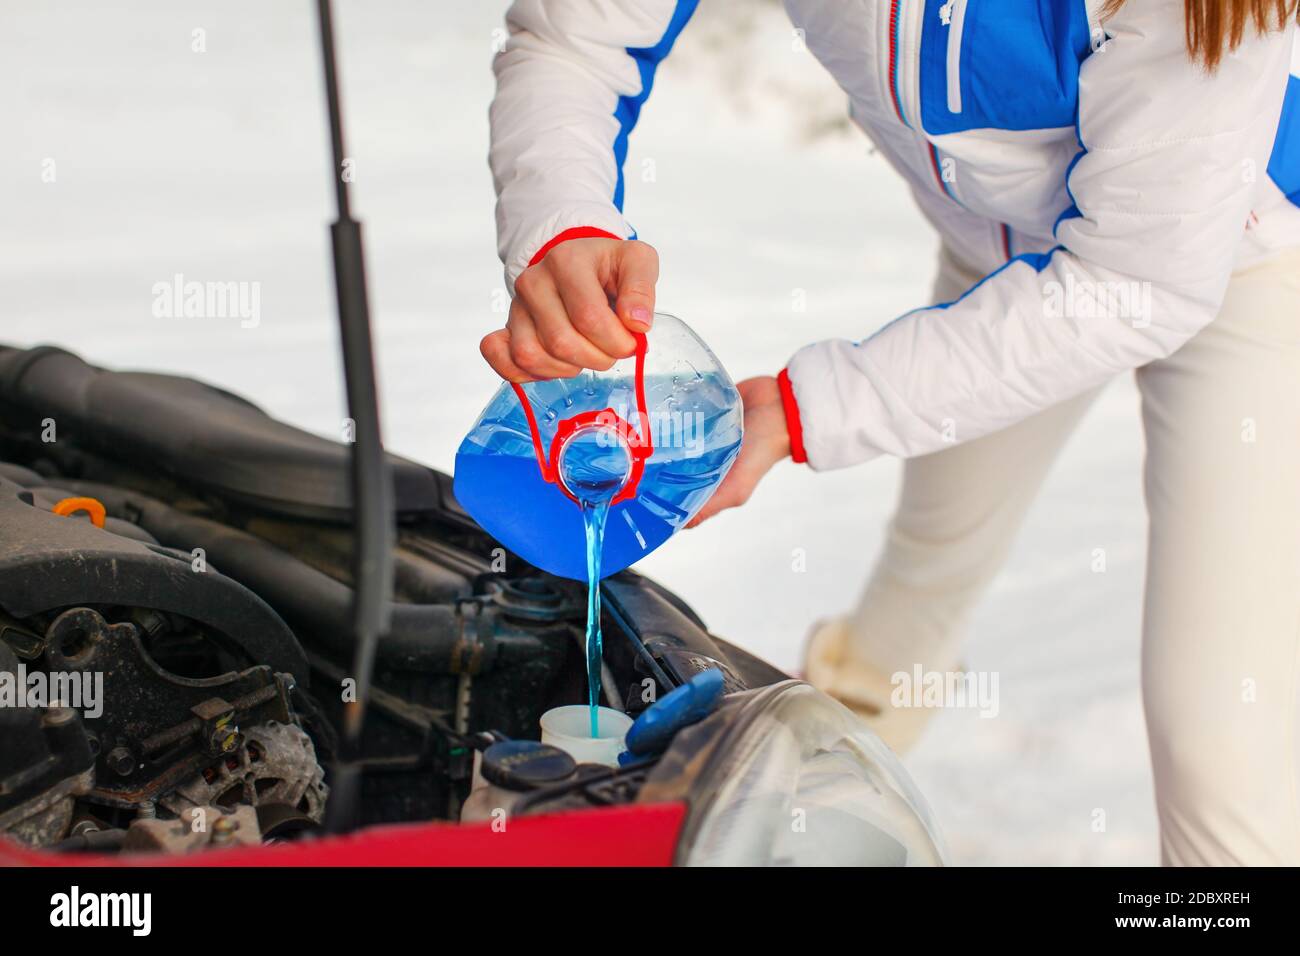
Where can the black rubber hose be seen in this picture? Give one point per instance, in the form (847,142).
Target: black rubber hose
(93,841)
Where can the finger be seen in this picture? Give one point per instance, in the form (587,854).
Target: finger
(753,462)
(496,349)
(526,350)
(637,273)
(587,305)
(558,337)
(715,505)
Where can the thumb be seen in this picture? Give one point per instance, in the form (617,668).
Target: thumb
(636,274)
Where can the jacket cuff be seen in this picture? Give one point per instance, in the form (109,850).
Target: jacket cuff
(842,415)
(577,232)
(792,423)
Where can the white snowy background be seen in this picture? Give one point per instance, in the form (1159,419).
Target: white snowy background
(214,165)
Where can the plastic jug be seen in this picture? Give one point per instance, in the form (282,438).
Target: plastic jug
(658,431)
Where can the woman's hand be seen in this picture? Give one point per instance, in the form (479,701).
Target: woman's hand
(767,441)
(562,321)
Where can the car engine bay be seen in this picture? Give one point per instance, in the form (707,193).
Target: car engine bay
(184,559)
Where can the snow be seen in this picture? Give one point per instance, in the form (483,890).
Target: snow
(214,165)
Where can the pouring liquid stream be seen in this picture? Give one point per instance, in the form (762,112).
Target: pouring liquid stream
(593,524)
(594,466)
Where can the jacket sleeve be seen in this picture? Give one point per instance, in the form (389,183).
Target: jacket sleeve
(570,84)
(1162,188)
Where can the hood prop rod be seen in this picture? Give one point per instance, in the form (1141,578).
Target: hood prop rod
(372,485)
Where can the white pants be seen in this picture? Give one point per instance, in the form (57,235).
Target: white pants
(1221,628)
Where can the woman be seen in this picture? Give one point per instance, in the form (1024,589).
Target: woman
(1117,186)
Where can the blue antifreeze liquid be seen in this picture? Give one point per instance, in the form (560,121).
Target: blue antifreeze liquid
(594,466)
(593,519)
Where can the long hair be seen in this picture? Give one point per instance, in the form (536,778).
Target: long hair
(1216,27)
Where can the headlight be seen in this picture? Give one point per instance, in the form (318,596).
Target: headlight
(797,779)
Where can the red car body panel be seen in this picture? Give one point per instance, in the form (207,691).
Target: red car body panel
(636,835)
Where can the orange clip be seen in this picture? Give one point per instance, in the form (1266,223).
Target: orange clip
(91,506)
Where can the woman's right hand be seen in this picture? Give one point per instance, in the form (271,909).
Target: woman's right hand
(575,310)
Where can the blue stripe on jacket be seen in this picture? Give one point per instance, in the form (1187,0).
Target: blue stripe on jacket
(647,60)
(1284,163)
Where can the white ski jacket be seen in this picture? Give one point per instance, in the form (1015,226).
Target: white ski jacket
(1105,184)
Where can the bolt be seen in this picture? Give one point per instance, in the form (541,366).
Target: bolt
(223,831)
(58,716)
(121,762)
(225,740)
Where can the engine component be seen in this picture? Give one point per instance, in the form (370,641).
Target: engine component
(198,828)
(508,768)
(157,728)
(48,562)
(275,767)
(431,637)
(45,763)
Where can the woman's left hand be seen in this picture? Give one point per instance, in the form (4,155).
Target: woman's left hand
(766,441)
